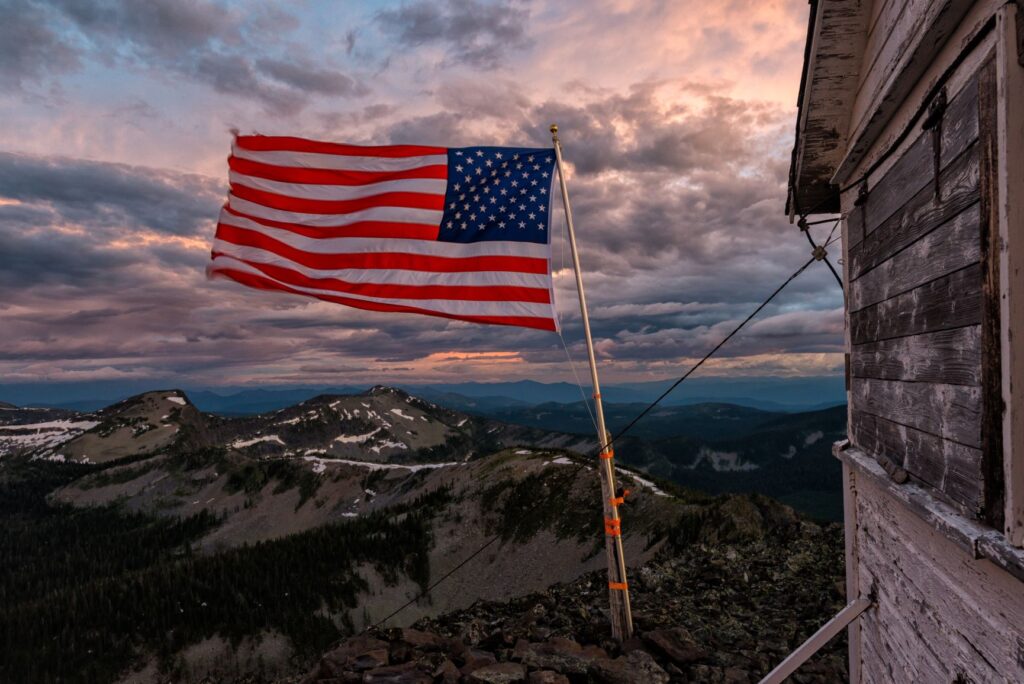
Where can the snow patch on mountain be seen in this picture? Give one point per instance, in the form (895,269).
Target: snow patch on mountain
(47,435)
(356,439)
(387,444)
(398,412)
(813,437)
(242,443)
(643,482)
(322,464)
(722,461)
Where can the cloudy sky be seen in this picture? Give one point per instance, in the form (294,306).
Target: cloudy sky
(676,117)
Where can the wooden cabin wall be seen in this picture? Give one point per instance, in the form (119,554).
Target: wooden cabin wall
(939,614)
(916,307)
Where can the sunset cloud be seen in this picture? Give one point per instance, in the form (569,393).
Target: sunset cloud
(676,126)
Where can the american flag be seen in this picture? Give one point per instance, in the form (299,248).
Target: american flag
(461,233)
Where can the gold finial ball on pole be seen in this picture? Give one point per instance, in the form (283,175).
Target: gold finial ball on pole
(554,132)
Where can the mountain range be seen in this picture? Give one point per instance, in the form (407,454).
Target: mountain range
(768,393)
(157,540)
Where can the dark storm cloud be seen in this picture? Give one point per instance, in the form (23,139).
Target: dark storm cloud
(305,76)
(164,27)
(236,75)
(102,196)
(209,42)
(473,32)
(29,48)
(677,139)
(33,256)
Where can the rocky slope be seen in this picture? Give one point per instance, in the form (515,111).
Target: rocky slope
(726,608)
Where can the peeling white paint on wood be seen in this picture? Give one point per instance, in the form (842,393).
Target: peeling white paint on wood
(940,611)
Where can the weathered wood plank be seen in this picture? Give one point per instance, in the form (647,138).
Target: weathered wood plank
(884,14)
(871,117)
(914,171)
(933,649)
(948,411)
(918,217)
(960,123)
(973,609)
(991,353)
(855,227)
(924,652)
(950,302)
(952,469)
(948,248)
(952,357)
(1020,37)
(909,174)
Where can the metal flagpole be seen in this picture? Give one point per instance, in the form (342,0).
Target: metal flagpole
(618,590)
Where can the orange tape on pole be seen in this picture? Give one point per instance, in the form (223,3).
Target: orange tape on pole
(617,500)
(608,454)
(613,528)
(621,586)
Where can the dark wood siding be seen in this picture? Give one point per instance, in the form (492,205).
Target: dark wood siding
(918,311)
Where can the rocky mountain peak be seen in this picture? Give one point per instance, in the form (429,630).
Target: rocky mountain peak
(385,390)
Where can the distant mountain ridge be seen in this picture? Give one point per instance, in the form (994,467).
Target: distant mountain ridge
(713,447)
(770,394)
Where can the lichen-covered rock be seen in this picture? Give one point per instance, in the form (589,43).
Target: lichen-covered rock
(499,673)
(562,655)
(636,667)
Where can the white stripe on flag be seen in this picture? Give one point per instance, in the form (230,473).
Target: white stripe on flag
(315,160)
(399,214)
(389,276)
(446,306)
(429,186)
(392,245)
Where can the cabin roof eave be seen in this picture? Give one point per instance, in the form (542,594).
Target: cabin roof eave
(828,86)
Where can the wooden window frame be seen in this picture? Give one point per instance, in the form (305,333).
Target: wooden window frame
(1008,218)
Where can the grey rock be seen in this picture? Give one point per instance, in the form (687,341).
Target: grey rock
(562,655)
(407,673)
(546,677)
(498,673)
(676,643)
(344,657)
(636,667)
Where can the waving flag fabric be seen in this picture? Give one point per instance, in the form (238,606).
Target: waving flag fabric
(460,233)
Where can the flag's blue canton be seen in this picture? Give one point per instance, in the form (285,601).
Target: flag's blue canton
(498,193)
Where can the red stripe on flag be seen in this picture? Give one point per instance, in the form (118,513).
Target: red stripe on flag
(409,200)
(468,293)
(380,260)
(259,282)
(278,143)
(359,229)
(293,174)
